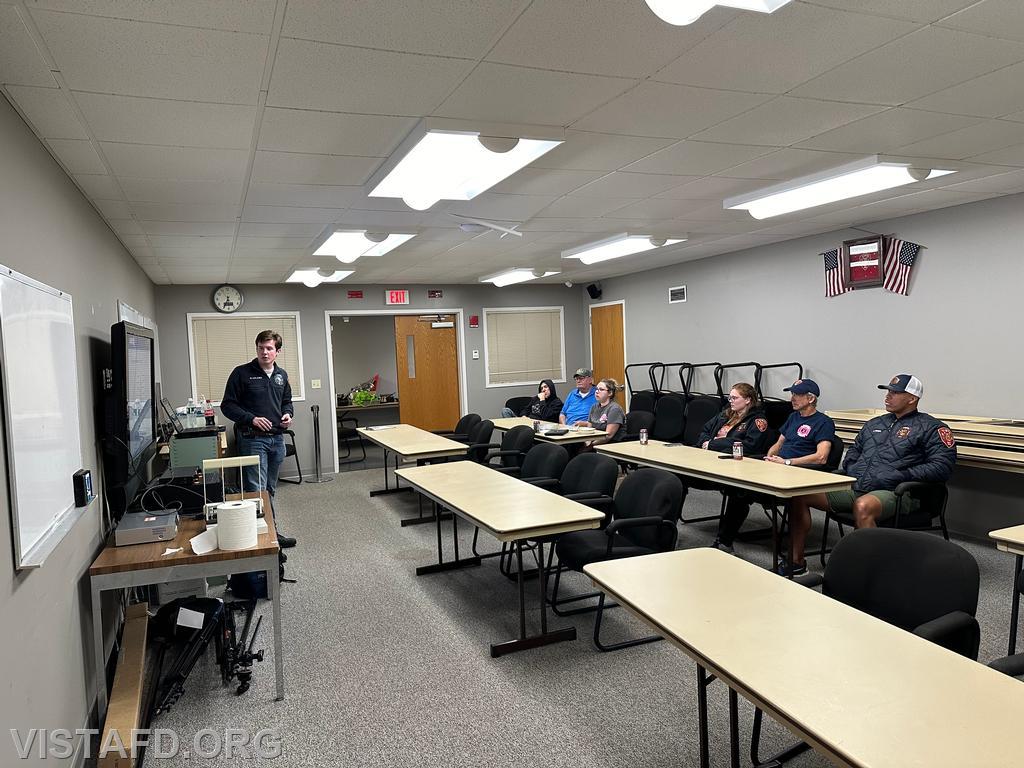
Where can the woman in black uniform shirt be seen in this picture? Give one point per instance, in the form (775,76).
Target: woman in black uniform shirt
(743,421)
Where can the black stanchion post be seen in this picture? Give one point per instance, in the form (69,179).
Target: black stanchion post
(318,477)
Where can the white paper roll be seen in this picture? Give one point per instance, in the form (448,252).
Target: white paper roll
(236,525)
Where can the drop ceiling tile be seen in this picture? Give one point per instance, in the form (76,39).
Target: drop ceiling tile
(913,10)
(500,93)
(77,156)
(655,209)
(623,184)
(311,75)
(273,213)
(1004,183)
(491,205)
(213,242)
(262,257)
(147,190)
(98,186)
(563,225)
(125,227)
(172,256)
(187,212)
(823,37)
(581,207)
(230,15)
(274,243)
(332,133)
(987,136)
(712,188)
(113,209)
(585,151)
(1009,156)
(143,160)
(135,120)
(784,121)
(887,130)
(165,61)
(696,158)
(788,164)
(311,195)
(994,18)
(914,66)
(466,28)
(385,219)
(991,95)
(665,110)
(602,38)
(48,111)
(278,229)
(295,168)
(545,181)
(139,245)
(196,228)
(20,60)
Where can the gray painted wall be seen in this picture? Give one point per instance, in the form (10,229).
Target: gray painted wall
(174,301)
(956,330)
(52,234)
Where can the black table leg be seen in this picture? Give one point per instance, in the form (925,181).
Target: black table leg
(1015,606)
(702,716)
(420,519)
(441,565)
(387,490)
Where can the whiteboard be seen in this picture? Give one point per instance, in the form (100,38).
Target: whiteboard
(39,375)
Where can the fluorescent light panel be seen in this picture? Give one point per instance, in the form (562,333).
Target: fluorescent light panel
(446,165)
(516,275)
(681,12)
(854,180)
(616,247)
(348,246)
(313,277)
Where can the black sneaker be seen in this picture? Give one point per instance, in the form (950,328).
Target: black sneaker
(285,542)
(791,569)
(716,544)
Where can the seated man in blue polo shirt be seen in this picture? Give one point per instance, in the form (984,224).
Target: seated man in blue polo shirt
(579,401)
(805,440)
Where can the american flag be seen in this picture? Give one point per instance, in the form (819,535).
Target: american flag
(834,284)
(899,260)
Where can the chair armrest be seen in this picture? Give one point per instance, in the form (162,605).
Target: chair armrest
(912,486)
(591,499)
(941,629)
(633,522)
(542,482)
(514,471)
(450,435)
(288,432)
(1009,665)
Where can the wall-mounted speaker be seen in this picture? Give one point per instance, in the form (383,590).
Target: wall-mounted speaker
(594,289)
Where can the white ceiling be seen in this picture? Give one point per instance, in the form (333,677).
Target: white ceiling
(221,139)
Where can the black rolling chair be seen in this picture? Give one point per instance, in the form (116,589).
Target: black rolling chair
(515,444)
(922,584)
(462,428)
(345,437)
(635,421)
(478,442)
(588,477)
(543,465)
(516,404)
(776,412)
(669,418)
(646,510)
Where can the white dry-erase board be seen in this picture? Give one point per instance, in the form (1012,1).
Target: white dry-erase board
(38,373)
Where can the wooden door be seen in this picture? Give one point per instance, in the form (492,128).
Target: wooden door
(607,346)
(428,372)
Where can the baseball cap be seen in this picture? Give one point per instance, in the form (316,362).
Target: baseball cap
(905,382)
(804,387)
(581,372)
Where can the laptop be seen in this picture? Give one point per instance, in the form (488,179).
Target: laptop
(181,430)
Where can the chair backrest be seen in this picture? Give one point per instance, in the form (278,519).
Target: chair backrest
(516,439)
(776,412)
(645,400)
(590,472)
(905,578)
(545,460)
(699,412)
(637,420)
(480,434)
(932,498)
(466,424)
(669,418)
(835,454)
(516,404)
(645,493)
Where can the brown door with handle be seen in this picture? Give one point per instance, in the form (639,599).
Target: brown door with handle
(428,371)
(607,346)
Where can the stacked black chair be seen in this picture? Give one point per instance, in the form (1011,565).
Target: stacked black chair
(699,411)
(635,421)
(515,444)
(645,513)
(643,399)
(462,428)
(776,410)
(516,404)
(669,418)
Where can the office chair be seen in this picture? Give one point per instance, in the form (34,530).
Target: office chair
(515,444)
(699,411)
(543,465)
(517,404)
(478,442)
(462,428)
(345,437)
(669,418)
(645,513)
(635,421)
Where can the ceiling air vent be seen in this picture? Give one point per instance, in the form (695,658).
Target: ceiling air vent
(677,295)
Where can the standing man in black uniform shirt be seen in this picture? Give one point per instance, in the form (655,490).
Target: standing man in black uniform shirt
(902,445)
(258,398)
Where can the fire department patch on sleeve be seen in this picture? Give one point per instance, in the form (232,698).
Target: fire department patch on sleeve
(946,436)
(902,432)
(761,424)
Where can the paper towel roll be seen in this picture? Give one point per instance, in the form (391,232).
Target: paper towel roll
(236,525)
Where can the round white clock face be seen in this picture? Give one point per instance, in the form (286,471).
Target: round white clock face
(227,298)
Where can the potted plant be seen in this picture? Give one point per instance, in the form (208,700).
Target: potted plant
(363,397)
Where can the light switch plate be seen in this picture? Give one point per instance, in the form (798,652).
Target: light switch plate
(476,354)
(315,383)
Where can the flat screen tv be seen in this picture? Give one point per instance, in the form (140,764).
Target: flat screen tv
(131,400)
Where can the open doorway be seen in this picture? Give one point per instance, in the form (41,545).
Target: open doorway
(411,360)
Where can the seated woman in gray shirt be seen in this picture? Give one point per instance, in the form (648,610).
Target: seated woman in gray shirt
(606,415)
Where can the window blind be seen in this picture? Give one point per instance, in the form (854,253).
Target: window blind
(523,346)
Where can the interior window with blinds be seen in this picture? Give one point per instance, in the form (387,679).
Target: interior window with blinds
(217,344)
(523,346)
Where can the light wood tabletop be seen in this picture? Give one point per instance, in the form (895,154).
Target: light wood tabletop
(412,442)
(504,506)
(751,474)
(863,692)
(572,435)
(1009,539)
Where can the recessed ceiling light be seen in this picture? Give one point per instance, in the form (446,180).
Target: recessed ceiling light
(681,12)
(347,246)
(313,277)
(516,275)
(434,164)
(852,180)
(617,246)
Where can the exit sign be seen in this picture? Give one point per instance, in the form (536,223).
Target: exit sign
(396,297)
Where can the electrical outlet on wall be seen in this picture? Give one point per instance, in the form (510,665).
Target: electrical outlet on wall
(315,383)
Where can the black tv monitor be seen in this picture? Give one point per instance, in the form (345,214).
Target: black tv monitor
(131,403)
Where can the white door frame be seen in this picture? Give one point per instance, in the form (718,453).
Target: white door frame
(460,336)
(590,334)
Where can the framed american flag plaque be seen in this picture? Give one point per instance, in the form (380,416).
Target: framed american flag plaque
(863,262)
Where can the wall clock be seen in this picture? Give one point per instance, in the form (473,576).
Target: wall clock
(227,298)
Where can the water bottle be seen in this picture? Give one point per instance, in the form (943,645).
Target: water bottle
(190,412)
